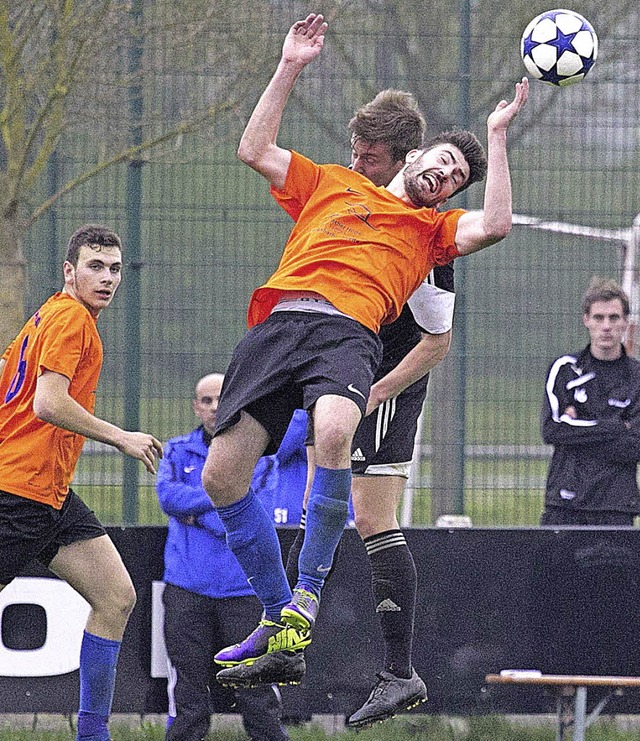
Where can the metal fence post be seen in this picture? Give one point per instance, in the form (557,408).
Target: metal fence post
(132,346)
(448,419)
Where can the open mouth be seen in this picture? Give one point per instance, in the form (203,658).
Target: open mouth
(432,182)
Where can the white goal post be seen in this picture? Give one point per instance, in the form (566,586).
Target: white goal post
(628,241)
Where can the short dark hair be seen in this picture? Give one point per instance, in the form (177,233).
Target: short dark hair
(392,118)
(93,235)
(603,289)
(473,152)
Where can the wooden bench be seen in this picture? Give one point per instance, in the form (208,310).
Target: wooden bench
(572,695)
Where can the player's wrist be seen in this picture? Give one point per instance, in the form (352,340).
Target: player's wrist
(291,66)
(497,132)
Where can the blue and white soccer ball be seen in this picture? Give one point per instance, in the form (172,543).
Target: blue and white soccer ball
(559,47)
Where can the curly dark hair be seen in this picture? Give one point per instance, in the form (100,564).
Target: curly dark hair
(392,118)
(94,235)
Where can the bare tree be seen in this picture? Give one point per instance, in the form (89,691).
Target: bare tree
(129,77)
(95,69)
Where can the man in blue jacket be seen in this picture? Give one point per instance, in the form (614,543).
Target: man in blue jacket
(208,608)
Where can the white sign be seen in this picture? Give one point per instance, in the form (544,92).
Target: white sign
(159,658)
(66,612)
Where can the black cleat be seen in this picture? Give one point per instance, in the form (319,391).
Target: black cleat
(390,695)
(280,667)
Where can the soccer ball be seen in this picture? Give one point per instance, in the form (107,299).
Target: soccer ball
(559,47)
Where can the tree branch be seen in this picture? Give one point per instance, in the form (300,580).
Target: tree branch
(130,154)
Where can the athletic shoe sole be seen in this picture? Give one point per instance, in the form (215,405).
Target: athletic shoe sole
(413,702)
(295,619)
(391,695)
(296,615)
(281,668)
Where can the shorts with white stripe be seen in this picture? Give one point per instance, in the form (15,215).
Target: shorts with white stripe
(383,443)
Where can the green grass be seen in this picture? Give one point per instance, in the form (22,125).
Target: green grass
(106,502)
(416,728)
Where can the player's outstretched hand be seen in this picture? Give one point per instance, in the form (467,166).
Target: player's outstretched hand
(141,446)
(504,112)
(305,40)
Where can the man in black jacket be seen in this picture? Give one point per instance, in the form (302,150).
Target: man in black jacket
(591,415)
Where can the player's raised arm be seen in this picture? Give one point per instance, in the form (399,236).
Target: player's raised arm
(478,229)
(258,147)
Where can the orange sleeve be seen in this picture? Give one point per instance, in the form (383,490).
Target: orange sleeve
(300,183)
(288,203)
(62,349)
(302,179)
(444,244)
(5,354)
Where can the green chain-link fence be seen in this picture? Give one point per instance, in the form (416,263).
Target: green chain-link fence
(201,232)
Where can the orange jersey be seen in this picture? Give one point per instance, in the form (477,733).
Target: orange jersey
(38,459)
(355,243)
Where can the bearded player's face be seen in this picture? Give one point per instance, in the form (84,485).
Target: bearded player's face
(434,175)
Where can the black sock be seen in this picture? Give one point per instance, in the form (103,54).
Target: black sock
(394,580)
(291,566)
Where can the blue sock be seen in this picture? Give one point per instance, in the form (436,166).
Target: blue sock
(252,537)
(98,660)
(327,513)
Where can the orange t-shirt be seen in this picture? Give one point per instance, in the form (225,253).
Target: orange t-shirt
(38,459)
(356,244)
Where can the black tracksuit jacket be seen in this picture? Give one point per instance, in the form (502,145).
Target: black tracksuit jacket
(595,456)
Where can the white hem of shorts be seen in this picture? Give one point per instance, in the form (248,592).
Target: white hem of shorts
(387,469)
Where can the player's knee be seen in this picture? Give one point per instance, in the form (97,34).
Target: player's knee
(125,601)
(213,481)
(221,488)
(210,481)
(366,524)
(370,521)
(333,442)
(116,605)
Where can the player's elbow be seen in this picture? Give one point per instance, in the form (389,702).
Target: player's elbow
(44,409)
(444,346)
(436,347)
(244,153)
(248,154)
(497,229)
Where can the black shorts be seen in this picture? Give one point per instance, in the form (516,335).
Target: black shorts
(384,441)
(32,530)
(289,361)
